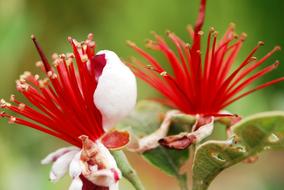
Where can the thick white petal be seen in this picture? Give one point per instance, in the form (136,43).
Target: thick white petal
(76,184)
(104,177)
(52,157)
(61,165)
(109,174)
(116,93)
(114,186)
(75,168)
(109,161)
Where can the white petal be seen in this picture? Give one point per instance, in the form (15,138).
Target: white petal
(75,168)
(104,154)
(116,93)
(60,166)
(94,168)
(76,184)
(104,177)
(114,186)
(110,174)
(52,157)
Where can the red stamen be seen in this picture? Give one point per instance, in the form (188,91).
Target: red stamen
(200,86)
(253,90)
(63,101)
(201,16)
(41,54)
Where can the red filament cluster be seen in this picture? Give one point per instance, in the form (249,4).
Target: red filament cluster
(202,84)
(62,101)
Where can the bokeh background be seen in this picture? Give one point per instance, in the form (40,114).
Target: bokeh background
(114,22)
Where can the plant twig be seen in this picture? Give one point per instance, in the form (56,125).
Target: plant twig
(127,171)
(182,181)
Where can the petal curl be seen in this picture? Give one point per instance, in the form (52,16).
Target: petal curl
(75,168)
(52,157)
(104,177)
(61,165)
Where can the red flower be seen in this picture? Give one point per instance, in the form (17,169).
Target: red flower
(78,103)
(202,84)
(64,98)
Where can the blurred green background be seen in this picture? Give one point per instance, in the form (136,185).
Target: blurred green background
(114,22)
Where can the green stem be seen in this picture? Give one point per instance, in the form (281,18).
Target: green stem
(182,181)
(199,187)
(127,171)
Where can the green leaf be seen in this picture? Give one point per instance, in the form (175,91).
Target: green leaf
(252,135)
(144,120)
(168,160)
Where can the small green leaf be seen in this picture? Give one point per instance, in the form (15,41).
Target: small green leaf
(253,135)
(147,118)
